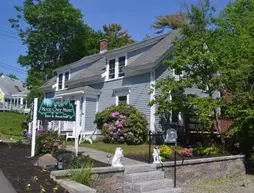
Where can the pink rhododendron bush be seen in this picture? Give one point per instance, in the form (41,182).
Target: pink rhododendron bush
(123,124)
(48,142)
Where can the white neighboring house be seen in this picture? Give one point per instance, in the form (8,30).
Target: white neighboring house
(13,95)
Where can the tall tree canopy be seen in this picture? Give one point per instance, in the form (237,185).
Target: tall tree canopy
(1,74)
(171,21)
(195,67)
(235,46)
(55,35)
(117,37)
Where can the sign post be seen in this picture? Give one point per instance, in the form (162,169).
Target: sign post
(34,126)
(76,132)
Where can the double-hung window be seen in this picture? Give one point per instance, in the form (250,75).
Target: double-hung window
(112,68)
(120,66)
(66,78)
(115,67)
(60,81)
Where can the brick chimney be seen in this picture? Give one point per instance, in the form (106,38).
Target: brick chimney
(103,45)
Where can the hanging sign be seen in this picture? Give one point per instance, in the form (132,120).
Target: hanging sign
(50,110)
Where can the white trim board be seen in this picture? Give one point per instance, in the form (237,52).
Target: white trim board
(152,108)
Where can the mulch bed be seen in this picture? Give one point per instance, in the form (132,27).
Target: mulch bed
(19,169)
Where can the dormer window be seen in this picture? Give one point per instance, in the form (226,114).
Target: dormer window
(62,79)
(121,65)
(115,67)
(66,78)
(112,68)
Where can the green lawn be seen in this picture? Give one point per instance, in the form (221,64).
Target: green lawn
(11,120)
(110,148)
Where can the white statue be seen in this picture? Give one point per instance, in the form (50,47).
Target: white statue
(117,159)
(156,155)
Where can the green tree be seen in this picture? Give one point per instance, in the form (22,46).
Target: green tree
(1,74)
(12,76)
(194,63)
(55,35)
(236,55)
(117,37)
(171,21)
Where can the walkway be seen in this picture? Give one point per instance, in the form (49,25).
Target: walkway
(5,185)
(102,156)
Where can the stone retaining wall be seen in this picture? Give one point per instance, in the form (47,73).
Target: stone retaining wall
(204,169)
(111,180)
(108,180)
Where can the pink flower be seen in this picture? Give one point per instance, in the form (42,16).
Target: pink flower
(114,133)
(122,116)
(130,133)
(105,124)
(117,122)
(117,113)
(125,134)
(55,144)
(120,125)
(111,133)
(121,138)
(119,130)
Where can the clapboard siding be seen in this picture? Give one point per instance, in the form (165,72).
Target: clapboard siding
(139,89)
(90,113)
(161,120)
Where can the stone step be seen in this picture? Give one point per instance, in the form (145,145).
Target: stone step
(139,168)
(166,190)
(152,185)
(145,176)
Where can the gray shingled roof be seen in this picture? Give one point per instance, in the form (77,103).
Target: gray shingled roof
(160,46)
(94,70)
(11,86)
(83,89)
(156,52)
(47,86)
(127,48)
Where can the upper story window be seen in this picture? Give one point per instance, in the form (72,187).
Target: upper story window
(112,69)
(115,67)
(62,79)
(66,78)
(121,65)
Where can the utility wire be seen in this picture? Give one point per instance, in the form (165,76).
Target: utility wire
(13,67)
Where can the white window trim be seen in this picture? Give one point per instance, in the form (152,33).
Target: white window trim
(118,92)
(63,80)
(177,77)
(116,58)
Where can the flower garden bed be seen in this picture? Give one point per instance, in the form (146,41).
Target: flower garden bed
(19,169)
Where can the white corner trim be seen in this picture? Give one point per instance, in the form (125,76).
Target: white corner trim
(97,105)
(152,108)
(83,116)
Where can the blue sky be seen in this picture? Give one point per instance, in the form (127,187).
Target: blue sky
(134,15)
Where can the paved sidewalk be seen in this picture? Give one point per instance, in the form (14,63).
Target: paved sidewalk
(102,156)
(5,186)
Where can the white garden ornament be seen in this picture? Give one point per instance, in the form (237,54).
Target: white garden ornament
(117,159)
(156,155)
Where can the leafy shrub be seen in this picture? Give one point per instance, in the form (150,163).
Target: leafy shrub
(214,149)
(165,151)
(186,152)
(81,170)
(48,142)
(122,124)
